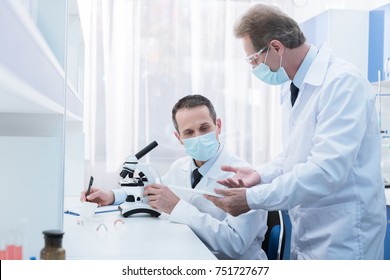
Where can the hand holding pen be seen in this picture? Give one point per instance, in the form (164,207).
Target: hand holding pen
(101,197)
(89,188)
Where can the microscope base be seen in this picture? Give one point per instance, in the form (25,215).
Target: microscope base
(131,208)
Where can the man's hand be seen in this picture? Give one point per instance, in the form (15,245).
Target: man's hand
(98,196)
(161,197)
(245,177)
(234,200)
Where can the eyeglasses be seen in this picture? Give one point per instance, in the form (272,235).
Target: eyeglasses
(252,59)
(101,226)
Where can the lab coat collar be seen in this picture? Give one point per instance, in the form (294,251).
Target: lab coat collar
(317,71)
(305,66)
(215,171)
(315,75)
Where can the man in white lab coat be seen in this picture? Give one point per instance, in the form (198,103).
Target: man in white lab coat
(329,174)
(198,129)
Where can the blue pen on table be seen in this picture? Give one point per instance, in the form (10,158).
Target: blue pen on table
(89,187)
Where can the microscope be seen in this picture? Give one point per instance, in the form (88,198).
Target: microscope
(135,177)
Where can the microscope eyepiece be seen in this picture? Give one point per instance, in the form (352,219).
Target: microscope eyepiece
(131,162)
(146,150)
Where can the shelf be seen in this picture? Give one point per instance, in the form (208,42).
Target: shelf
(41,121)
(19,97)
(31,79)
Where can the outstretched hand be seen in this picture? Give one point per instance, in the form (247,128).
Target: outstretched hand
(245,177)
(234,201)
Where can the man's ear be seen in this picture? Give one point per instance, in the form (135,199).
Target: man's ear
(219,126)
(178,137)
(277,46)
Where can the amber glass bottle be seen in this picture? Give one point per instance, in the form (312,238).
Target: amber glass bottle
(53,245)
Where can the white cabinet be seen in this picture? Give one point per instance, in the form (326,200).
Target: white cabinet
(35,116)
(379,47)
(382,90)
(344,31)
(379,75)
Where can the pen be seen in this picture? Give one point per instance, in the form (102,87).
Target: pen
(89,187)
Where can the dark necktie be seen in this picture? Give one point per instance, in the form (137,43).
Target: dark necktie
(294,93)
(196,176)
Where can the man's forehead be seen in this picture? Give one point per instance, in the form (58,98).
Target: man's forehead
(189,112)
(191,119)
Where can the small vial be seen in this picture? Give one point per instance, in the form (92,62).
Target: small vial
(3,249)
(18,246)
(10,245)
(53,245)
(18,241)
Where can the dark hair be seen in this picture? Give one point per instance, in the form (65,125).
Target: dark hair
(192,101)
(264,23)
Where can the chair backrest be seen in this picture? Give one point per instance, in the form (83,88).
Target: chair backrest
(387,237)
(287,235)
(274,238)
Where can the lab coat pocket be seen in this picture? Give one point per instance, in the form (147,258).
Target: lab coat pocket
(302,137)
(328,232)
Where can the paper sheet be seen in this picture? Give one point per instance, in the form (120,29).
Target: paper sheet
(75,210)
(196,191)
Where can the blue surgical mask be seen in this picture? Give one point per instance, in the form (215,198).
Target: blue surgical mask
(202,147)
(264,73)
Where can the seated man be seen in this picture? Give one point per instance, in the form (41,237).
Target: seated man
(198,129)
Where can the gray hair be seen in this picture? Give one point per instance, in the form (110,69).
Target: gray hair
(264,23)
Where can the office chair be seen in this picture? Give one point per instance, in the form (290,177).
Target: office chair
(387,237)
(274,239)
(287,235)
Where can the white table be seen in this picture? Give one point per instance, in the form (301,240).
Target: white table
(140,237)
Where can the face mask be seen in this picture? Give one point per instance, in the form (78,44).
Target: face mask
(202,147)
(264,73)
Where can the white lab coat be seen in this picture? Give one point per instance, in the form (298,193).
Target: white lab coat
(227,236)
(329,175)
